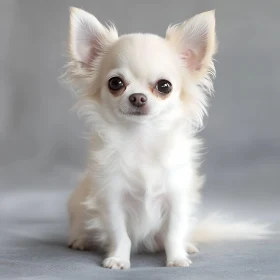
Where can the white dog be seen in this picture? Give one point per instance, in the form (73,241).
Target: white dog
(145,98)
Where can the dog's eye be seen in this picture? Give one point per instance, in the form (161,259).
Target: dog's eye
(115,83)
(164,86)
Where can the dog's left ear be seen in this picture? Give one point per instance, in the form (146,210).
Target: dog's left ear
(195,41)
(89,39)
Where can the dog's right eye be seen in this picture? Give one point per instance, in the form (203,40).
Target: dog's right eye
(164,87)
(115,84)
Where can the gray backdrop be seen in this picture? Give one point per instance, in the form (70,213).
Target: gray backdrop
(42,149)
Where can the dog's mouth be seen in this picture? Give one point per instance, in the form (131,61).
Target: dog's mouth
(134,112)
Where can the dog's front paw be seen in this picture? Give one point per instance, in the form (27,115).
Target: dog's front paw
(116,263)
(181,262)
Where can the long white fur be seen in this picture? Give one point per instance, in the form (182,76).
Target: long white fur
(142,184)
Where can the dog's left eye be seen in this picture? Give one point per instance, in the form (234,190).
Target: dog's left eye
(164,86)
(115,83)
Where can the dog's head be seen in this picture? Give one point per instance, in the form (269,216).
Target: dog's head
(140,77)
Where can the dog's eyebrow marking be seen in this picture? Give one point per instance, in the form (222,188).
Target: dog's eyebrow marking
(119,72)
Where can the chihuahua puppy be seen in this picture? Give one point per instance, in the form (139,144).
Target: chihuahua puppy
(145,98)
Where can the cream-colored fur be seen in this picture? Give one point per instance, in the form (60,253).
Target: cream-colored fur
(142,184)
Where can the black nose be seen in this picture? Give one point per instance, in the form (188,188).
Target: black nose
(138,99)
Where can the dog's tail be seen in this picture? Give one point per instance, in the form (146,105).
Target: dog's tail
(217,228)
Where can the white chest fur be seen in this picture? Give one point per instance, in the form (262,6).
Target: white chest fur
(141,158)
(143,166)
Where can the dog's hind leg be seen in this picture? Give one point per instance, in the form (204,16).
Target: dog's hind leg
(78,235)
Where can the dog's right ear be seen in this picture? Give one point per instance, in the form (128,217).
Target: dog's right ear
(88,38)
(195,41)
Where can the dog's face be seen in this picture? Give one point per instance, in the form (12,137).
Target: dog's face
(139,77)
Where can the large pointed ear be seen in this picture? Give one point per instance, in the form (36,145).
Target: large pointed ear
(195,41)
(88,37)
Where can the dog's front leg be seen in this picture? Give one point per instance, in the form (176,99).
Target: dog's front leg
(178,228)
(118,256)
